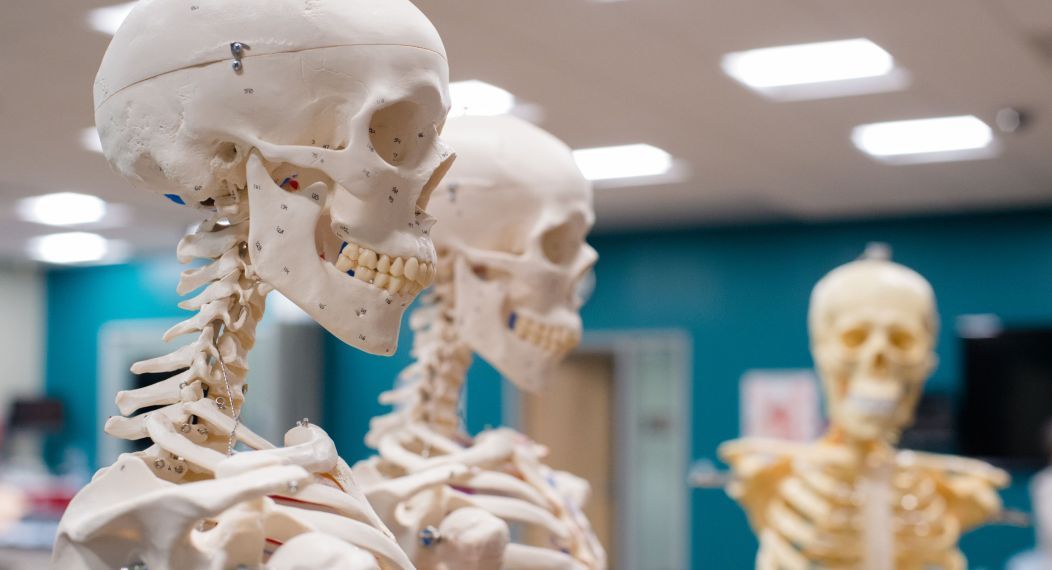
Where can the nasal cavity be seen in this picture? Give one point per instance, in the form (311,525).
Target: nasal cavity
(434,181)
(880,362)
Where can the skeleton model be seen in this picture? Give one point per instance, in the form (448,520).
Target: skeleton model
(851,500)
(512,254)
(309,129)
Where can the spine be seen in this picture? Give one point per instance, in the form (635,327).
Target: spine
(429,393)
(198,420)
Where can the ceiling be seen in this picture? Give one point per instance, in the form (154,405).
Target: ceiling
(605,73)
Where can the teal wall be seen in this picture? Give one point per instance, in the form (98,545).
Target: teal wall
(355,380)
(740,292)
(79,302)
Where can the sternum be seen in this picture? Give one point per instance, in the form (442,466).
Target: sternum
(878,530)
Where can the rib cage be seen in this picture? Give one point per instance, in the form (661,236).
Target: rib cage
(829,506)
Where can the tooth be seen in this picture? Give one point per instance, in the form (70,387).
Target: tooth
(368,259)
(394,285)
(384,265)
(398,267)
(528,328)
(412,268)
(365,274)
(429,275)
(344,264)
(535,336)
(560,337)
(551,344)
(413,288)
(381,280)
(352,251)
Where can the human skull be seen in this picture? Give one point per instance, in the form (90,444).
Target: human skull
(873,328)
(326,113)
(515,211)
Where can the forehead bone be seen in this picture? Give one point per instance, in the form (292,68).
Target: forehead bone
(163,36)
(871,283)
(508,174)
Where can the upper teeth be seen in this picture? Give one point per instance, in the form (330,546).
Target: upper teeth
(554,338)
(407,275)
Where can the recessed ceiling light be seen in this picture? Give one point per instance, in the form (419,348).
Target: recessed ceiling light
(627,161)
(479,98)
(109,18)
(817,70)
(75,247)
(927,140)
(62,209)
(89,139)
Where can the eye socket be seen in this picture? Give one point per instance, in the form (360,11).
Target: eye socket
(901,339)
(393,134)
(854,337)
(561,243)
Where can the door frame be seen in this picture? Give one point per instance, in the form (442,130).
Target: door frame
(634,352)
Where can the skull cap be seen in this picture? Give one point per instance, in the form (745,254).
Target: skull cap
(163,36)
(870,281)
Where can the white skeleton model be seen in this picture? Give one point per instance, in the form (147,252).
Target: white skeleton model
(851,500)
(512,254)
(308,128)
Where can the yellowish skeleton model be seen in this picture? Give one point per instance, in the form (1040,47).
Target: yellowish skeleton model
(852,500)
(515,211)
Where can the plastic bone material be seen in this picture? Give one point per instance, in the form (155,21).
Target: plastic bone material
(307,129)
(851,500)
(515,213)
(341,102)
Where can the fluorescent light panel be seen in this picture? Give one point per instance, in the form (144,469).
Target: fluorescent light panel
(478,98)
(62,209)
(939,139)
(75,248)
(108,19)
(627,161)
(816,70)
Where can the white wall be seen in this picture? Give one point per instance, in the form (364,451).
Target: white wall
(21,334)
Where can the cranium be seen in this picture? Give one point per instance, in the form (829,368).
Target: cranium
(515,212)
(873,329)
(324,114)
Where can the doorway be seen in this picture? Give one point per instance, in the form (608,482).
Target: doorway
(574,418)
(617,414)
